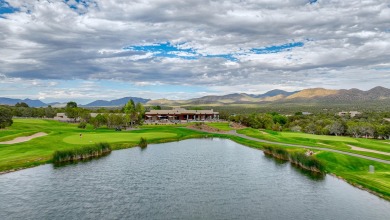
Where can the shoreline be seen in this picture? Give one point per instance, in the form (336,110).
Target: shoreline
(225,135)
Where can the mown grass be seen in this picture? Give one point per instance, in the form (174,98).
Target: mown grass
(323,141)
(81,153)
(356,171)
(96,137)
(223,126)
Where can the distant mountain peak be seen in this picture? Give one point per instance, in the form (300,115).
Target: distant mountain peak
(273,93)
(29,102)
(116,102)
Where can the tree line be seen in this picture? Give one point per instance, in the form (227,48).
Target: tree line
(128,116)
(368,125)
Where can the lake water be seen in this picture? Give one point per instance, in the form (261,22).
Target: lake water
(191,179)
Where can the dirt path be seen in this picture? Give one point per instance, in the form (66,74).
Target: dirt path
(24,139)
(367,150)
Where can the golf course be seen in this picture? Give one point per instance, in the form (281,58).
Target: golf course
(63,136)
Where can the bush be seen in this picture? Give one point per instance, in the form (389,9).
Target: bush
(143,142)
(199,124)
(5,117)
(82,125)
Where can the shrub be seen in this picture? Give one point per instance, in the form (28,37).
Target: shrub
(143,142)
(82,125)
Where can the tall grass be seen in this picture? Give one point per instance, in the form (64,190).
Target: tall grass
(143,142)
(307,162)
(298,158)
(81,153)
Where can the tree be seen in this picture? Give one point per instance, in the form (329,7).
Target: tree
(71,104)
(5,117)
(277,118)
(157,107)
(367,130)
(71,110)
(311,128)
(353,129)
(384,131)
(130,112)
(277,127)
(84,115)
(22,104)
(337,128)
(49,112)
(140,111)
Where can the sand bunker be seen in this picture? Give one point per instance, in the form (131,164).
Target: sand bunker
(367,150)
(24,139)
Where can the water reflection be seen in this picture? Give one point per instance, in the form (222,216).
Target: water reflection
(191,179)
(283,163)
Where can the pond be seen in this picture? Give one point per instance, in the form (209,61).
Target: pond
(191,179)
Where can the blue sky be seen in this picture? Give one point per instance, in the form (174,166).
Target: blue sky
(167,49)
(106,49)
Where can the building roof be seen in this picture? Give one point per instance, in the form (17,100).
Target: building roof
(179,111)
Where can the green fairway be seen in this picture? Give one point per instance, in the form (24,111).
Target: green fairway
(115,137)
(317,137)
(325,141)
(355,171)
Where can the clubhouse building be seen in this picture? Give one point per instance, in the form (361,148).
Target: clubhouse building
(181,114)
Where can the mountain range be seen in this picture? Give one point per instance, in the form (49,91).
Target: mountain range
(116,102)
(317,95)
(97,103)
(29,102)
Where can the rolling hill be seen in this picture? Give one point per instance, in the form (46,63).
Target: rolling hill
(314,95)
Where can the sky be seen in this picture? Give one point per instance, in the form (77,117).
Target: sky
(84,50)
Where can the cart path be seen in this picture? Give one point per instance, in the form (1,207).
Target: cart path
(367,150)
(233,132)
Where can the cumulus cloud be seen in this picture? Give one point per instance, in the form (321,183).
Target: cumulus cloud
(342,44)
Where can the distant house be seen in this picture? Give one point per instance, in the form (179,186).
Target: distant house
(387,119)
(306,113)
(350,113)
(62,117)
(180,114)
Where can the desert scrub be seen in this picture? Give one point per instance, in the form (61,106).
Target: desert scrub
(81,153)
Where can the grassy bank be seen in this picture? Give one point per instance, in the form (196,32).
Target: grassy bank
(323,141)
(81,153)
(351,169)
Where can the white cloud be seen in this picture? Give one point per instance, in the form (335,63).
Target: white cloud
(347,40)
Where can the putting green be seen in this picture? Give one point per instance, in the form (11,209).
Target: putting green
(116,137)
